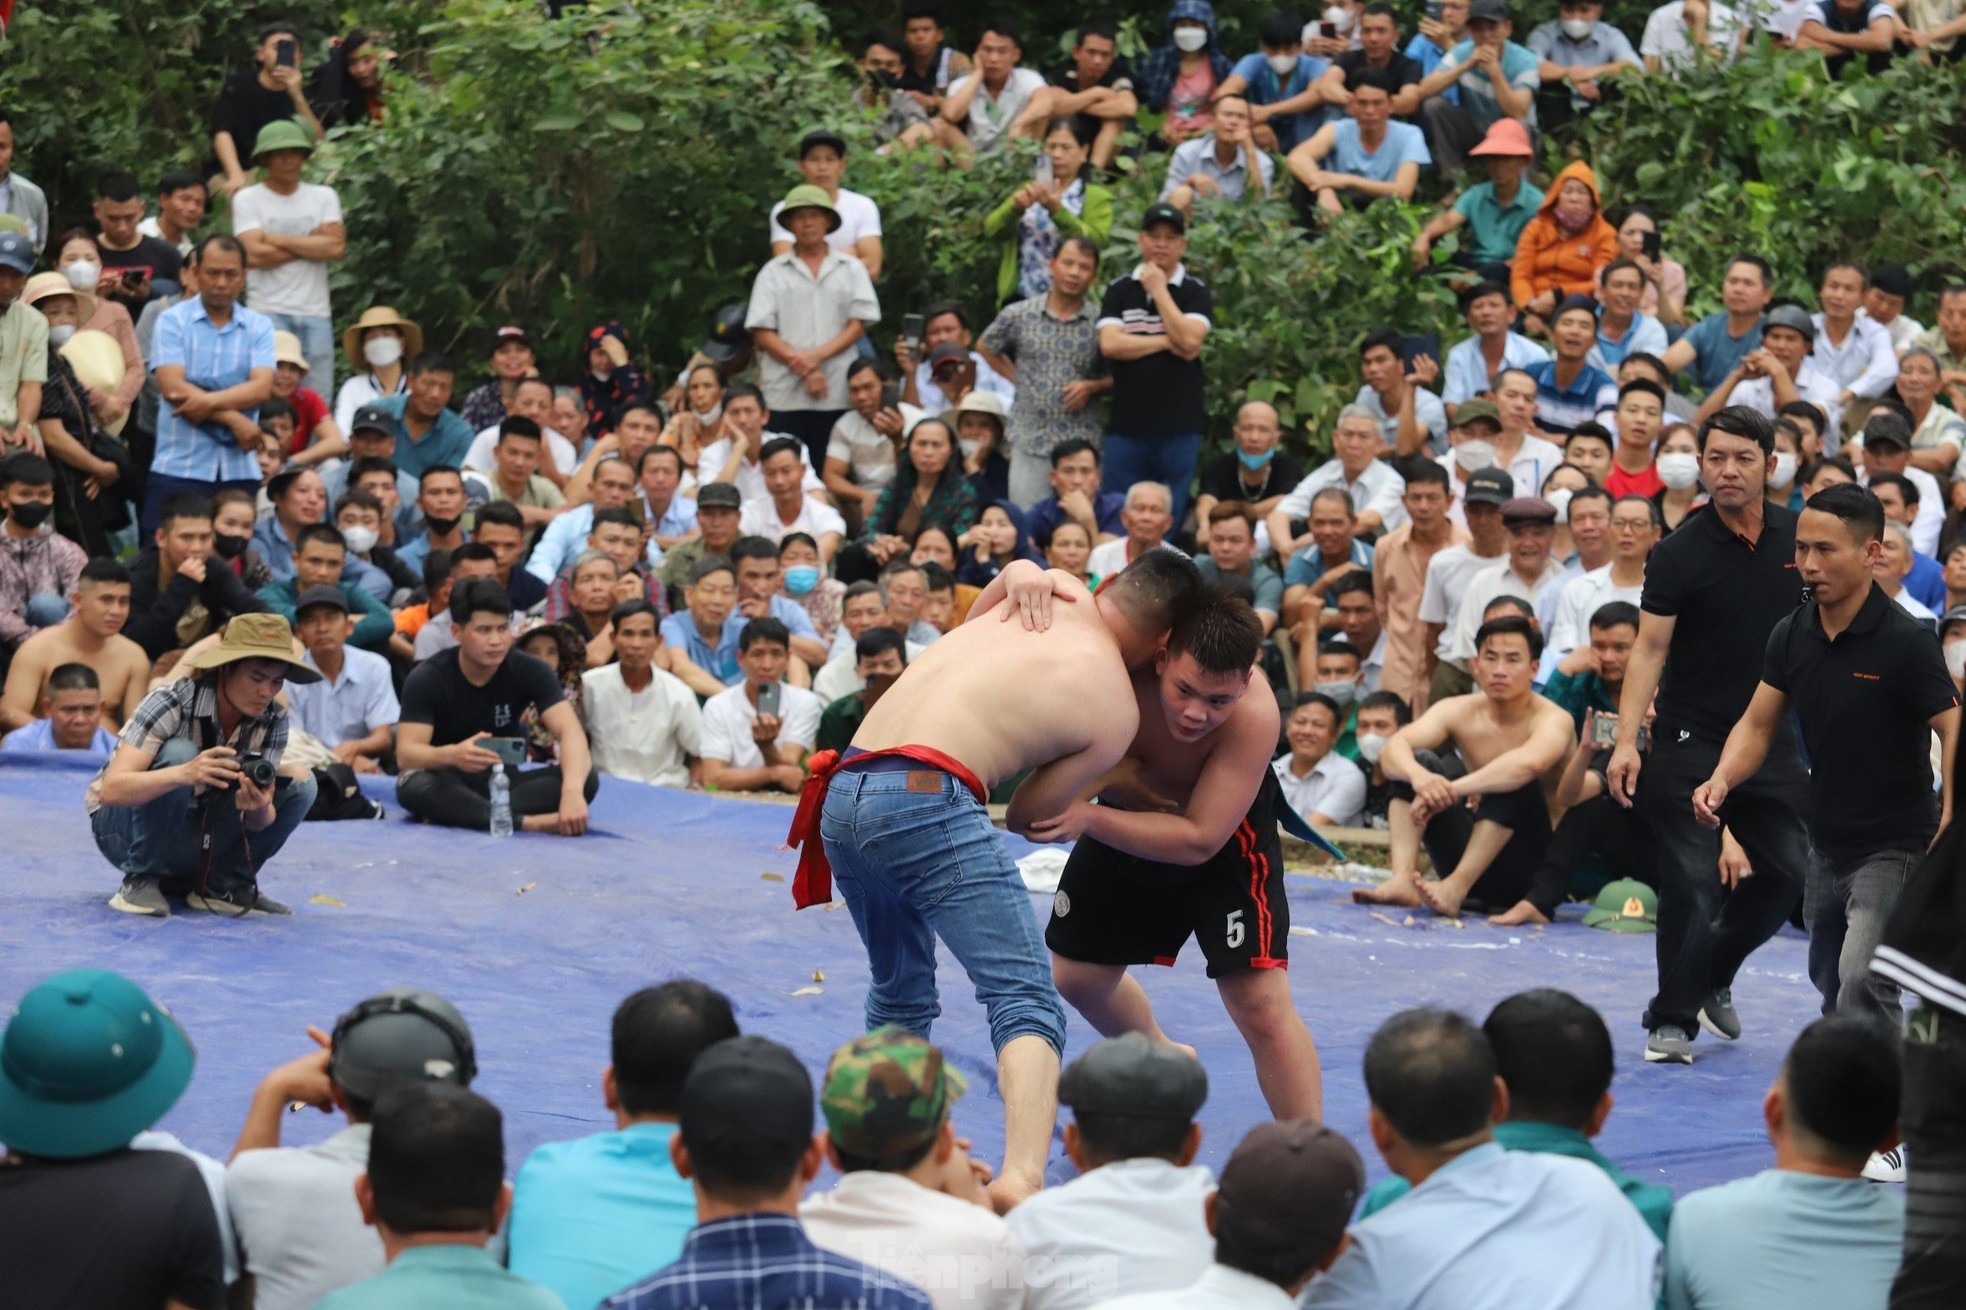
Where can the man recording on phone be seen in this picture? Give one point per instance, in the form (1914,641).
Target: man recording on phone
(253,97)
(467,710)
(193,802)
(757,735)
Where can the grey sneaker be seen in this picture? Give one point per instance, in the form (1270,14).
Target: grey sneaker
(1717,1015)
(1669,1044)
(236,905)
(141,896)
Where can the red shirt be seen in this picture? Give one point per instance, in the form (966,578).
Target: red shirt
(1645,482)
(309,410)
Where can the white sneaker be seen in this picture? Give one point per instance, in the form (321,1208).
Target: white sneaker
(1886,1166)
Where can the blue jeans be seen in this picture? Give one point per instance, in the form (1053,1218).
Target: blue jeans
(915,865)
(1846,907)
(317,343)
(160,840)
(45,609)
(1170,460)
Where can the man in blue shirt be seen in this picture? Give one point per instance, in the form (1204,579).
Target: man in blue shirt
(1474,364)
(71,717)
(1714,347)
(1497,79)
(213,360)
(1366,156)
(1280,84)
(428,433)
(1075,495)
(708,626)
(592,1215)
(745,1139)
(1569,390)
(1579,52)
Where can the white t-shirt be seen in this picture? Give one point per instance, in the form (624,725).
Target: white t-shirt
(1335,788)
(961,1254)
(299,1228)
(859,217)
(990,118)
(1110,557)
(641,735)
(727,720)
(1448,575)
(1665,37)
(1583,596)
(759,518)
(479,459)
(299,286)
(750,479)
(1133,1226)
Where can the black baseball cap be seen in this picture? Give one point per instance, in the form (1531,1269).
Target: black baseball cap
(373,418)
(745,1088)
(1134,1075)
(1493,11)
(1489,487)
(728,336)
(329,596)
(718,495)
(1887,429)
(1164,213)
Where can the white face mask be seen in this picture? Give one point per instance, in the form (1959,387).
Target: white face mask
(1369,746)
(710,416)
(1561,499)
(1679,470)
(1283,65)
(1190,39)
(59,335)
(1784,472)
(1474,456)
(83,274)
(1578,28)
(1956,659)
(381,352)
(969,445)
(1339,17)
(1342,692)
(360,540)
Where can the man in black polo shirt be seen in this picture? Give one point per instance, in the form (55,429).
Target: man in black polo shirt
(1866,680)
(1152,323)
(1714,590)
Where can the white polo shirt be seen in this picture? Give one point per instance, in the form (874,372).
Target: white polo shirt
(479,459)
(760,518)
(727,720)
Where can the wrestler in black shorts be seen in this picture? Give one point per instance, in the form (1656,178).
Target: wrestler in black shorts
(1114,908)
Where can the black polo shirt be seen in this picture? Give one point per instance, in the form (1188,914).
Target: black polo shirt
(1157,395)
(1726,597)
(1221,478)
(1864,701)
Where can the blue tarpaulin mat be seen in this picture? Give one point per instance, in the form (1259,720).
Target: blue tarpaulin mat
(536,939)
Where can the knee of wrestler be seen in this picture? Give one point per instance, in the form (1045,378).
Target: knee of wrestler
(1033,1012)
(1261,1011)
(1077,980)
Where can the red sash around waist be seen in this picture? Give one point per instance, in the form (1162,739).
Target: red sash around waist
(813,883)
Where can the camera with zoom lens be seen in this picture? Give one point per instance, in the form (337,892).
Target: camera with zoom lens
(259,770)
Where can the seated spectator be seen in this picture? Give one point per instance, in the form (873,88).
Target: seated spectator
(1634,531)
(996,540)
(434,1190)
(904,586)
(909,1199)
(1893,566)
(319,561)
(1581,55)
(1640,420)
(822,163)
(1435,1101)
(615,534)
(512,362)
(38,567)
(1553,1055)
(806,586)
(1563,247)
(706,629)
(1679,30)
(1713,348)
(1257,473)
(1364,157)
(862,607)
(68,717)
(1095,89)
(1183,79)
(1369,483)
(300,1227)
(860,455)
(879,657)
(986,104)
(1224,163)
(1903,503)
(928,489)
(1809,1231)
(594,1214)
(717,516)
(699,410)
(500,526)
(353,709)
(1330,552)
(1678,465)
(785,508)
(1497,79)
(1664,293)
(1281,84)
(1510,738)
(1395,394)
(1474,364)
(1376,50)
(1778,372)
(1886,449)
(761,594)
(1326,789)
(91,1064)
(1232,556)
(1134,1218)
(1938,434)
(1061,202)
(299,499)
(1528,457)
(744,1139)
(1076,495)
(611,383)
(482,688)
(1148,517)
(593,585)
(515,477)
(747,744)
(384,342)
(928,66)
(1622,327)
(735,457)
(1842,29)
(1588,450)
(372,443)
(442,503)
(1278,1219)
(1377,718)
(1569,389)
(1071,552)
(980,420)
(945,323)
(428,432)
(642,720)
(1849,349)
(1362,641)
(1494,212)
(358,516)
(559,459)
(179,591)
(1436,36)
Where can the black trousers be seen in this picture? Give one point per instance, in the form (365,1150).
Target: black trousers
(812,426)
(1597,827)
(1522,811)
(1703,943)
(1933,1121)
(457,799)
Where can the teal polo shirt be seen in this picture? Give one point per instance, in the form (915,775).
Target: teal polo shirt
(452,1276)
(1494,228)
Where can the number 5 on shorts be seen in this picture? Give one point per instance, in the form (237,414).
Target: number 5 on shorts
(1233,929)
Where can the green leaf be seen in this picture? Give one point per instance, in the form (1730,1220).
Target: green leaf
(623,121)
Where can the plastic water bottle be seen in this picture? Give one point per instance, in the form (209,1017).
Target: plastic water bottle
(501,803)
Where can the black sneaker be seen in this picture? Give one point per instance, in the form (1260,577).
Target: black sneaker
(236,905)
(1717,1015)
(141,896)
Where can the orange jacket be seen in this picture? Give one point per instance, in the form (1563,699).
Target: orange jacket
(1547,259)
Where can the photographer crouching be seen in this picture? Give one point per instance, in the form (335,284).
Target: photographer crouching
(193,801)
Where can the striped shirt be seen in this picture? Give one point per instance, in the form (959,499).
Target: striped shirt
(757,1260)
(213,358)
(189,708)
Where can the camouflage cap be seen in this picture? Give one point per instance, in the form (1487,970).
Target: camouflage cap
(887,1093)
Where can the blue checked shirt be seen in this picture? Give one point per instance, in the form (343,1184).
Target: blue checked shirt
(213,358)
(177,709)
(762,1262)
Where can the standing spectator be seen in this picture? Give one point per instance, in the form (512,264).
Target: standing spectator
(1369,155)
(1496,78)
(379,347)
(822,161)
(1061,203)
(1182,79)
(1095,90)
(1257,473)
(214,362)
(512,362)
(1581,53)
(1153,322)
(181,204)
(292,232)
(1281,83)
(78,257)
(809,307)
(252,98)
(136,269)
(429,434)
(986,104)
(18,196)
(1224,163)
(1050,344)
(1563,247)
(1400,563)
(347,87)
(1713,592)
(1473,364)
(1854,352)
(1715,346)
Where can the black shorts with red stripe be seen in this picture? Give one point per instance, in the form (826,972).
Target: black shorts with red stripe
(1114,908)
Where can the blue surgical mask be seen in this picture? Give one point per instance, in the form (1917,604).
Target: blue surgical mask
(801,579)
(1254,462)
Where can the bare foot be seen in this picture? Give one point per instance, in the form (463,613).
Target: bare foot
(1184,1048)
(1010,1191)
(1520,912)
(1400,889)
(1442,897)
